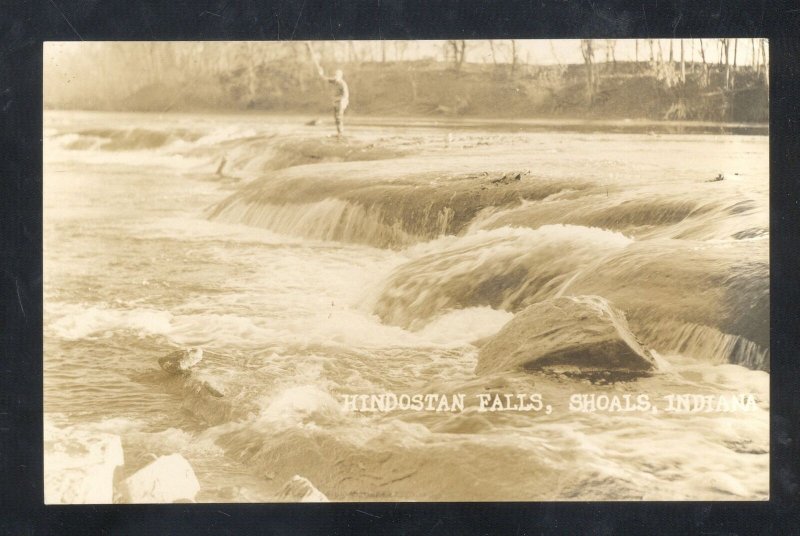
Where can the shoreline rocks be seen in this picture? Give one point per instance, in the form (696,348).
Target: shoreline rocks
(577,334)
(82,465)
(299,489)
(168,479)
(79,465)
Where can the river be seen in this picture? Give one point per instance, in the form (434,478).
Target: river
(309,269)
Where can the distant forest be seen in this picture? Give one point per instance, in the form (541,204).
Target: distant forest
(679,79)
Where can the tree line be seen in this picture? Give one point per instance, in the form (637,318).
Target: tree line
(671,66)
(248,74)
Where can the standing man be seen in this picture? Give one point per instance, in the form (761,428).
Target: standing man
(341,98)
(341,93)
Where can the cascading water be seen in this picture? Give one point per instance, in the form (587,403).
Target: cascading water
(310,270)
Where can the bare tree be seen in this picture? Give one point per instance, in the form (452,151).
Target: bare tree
(587,50)
(250,60)
(725,45)
(553,52)
(705,65)
(459,51)
(446,51)
(611,57)
(513,56)
(400,49)
(659,64)
(494,56)
(683,66)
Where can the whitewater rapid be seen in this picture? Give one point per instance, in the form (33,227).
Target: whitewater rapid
(308,272)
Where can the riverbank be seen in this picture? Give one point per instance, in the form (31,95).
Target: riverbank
(624,91)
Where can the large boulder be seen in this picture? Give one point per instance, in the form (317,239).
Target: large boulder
(168,479)
(79,465)
(299,489)
(583,334)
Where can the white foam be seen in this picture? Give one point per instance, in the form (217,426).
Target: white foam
(463,326)
(74,322)
(299,405)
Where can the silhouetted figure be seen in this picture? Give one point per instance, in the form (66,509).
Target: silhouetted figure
(341,97)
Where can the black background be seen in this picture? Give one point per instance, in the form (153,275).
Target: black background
(24,25)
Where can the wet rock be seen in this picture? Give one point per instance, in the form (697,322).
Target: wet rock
(213,390)
(79,465)
(397,204)
(180,361)
(508,178)
(300,489)
(704,299)
(168,479)
(577,334)
(221,166)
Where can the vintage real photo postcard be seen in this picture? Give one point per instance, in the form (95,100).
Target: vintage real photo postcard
(496,270)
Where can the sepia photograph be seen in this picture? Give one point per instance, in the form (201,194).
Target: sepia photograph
(403,271)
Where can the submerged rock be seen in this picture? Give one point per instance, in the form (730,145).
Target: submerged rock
(79,465)
(299,489)
(705,299)
(506,269)
(401,202)
(212,389)
(180,361)
(583,334)
(168,479)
